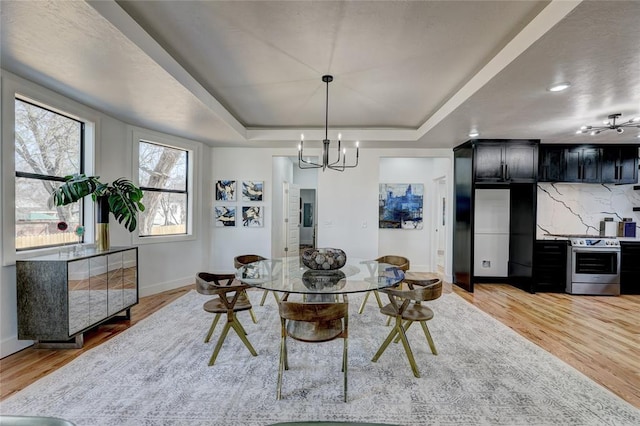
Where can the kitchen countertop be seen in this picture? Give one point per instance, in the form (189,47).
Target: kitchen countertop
(559,238)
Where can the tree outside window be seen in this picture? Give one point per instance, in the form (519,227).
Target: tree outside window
(48,147)
(163,172)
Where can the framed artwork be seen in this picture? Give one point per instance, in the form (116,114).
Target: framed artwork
(252,190)
(307,215)
(400,205)
(252,216)
(225,216)
(226,190)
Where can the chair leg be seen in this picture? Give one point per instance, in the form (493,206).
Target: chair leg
(264,297)
(406,326)
(242,335)
(344,366)
(364,302)
(253,316)
(386,342)
(377,295)
(281,366)
(213,326)
(407,348)
(429,339)
(223,336)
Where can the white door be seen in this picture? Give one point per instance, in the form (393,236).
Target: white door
(441,225)
(292,213)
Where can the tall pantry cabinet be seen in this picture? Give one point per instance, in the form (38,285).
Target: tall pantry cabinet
(494,183)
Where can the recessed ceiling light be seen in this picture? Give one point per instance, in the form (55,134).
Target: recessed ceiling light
(474,134)
(559,87)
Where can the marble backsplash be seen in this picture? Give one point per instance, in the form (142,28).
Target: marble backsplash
(566,208)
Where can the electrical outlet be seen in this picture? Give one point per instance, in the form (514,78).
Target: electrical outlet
(486,264)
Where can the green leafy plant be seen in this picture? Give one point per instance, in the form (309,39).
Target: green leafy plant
(124,197)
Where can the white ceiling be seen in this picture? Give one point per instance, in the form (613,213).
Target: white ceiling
(407,74)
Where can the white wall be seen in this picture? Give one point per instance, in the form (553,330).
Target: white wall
(417,244)
(162,265)
(247,164)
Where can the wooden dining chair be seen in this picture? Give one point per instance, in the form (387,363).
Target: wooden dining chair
(400,262)
(313,322)
(228,302)
(245,259)
(406,308)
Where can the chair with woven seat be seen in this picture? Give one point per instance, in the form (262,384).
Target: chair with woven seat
(229,301)
(245,259)
(313,322)
(400,262)
(406,308)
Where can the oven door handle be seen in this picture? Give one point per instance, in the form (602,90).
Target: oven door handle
(596,249)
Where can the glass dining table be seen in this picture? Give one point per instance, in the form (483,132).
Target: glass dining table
(290,275)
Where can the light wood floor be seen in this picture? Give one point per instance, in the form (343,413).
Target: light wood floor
(597,335)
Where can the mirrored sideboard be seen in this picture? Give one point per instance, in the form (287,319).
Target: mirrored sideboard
(62,295)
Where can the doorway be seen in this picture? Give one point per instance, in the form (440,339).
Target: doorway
(440,227)
(285,171)
(308,222)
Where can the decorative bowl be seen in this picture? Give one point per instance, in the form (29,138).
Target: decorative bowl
(324,258)
(324,280)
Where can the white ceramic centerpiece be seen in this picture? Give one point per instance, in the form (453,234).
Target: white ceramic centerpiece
(324,258)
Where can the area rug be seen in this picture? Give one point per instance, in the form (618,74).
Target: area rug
(156,373)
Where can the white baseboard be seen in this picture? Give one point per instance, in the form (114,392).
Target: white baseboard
(12,345)
(156,288)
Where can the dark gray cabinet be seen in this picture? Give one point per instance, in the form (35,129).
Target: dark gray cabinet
(488,164)
(620,165)
(581,165)
(551,166)
(629,267)
(550,266)
(616,164)
(62,295)
(506,161)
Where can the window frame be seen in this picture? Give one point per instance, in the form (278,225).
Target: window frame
(193,150)
(53,178)
(14,87)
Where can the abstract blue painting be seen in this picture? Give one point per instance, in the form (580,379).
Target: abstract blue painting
(400,205)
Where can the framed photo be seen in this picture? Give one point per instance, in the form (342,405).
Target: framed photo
(252,216)
(401,205)
(226,190)
(252,190)
(225,216)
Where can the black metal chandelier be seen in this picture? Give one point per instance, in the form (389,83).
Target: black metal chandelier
(610,125)
(340,163)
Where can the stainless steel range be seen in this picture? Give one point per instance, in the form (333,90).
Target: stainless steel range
(593,265)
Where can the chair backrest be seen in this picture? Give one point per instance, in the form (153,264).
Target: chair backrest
(399,261)
(428,290)
(313,312)
(245,259)
(209,283)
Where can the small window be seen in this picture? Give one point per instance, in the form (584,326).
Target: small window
(48,146)
(163,178)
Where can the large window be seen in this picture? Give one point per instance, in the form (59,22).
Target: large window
(48,147)
(163,177)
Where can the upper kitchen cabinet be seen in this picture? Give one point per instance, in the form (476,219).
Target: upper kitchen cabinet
(505,161)
(551,167)
(620,164)
(581,164)
(617,164)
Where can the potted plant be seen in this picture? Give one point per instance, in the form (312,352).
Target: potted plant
(121,197)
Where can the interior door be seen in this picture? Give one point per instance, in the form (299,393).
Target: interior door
(440,228)
(292,211)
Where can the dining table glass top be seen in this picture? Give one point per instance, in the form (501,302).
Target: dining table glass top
(290,275)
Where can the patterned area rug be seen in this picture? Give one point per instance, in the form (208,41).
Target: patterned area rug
(156,373)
